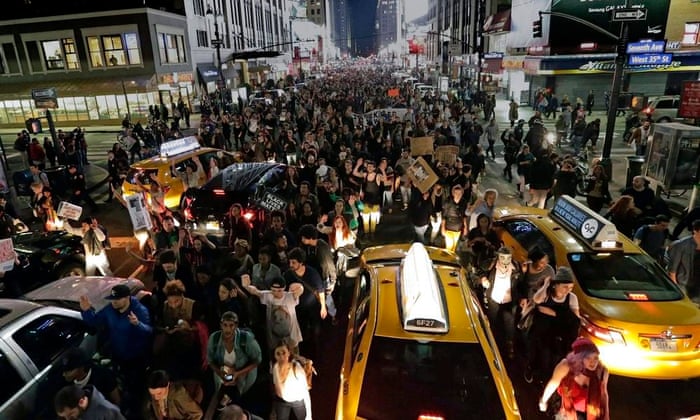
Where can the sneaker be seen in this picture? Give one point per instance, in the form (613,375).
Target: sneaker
(528,374)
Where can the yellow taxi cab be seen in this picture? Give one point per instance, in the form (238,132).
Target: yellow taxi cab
(168,168)
(643,324)
(418,345)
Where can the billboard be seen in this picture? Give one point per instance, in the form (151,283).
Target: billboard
(681,26)
(523,13)
(568,35)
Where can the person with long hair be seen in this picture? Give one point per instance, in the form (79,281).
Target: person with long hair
(597,192)
(624,215)
(291,391)
(555,323)
(483,241)
(342,241)
(582,382)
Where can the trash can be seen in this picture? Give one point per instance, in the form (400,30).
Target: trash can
(58,179)
(634,168)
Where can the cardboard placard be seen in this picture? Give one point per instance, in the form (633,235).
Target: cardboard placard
(422,146)
(7,255)
(392,93)
(422,175)
(69,211)
(138,212)
(447,154)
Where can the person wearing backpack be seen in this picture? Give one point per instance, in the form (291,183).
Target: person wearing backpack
(234,355)
(652,238)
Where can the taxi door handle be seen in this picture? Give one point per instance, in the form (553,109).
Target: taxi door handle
(360,356)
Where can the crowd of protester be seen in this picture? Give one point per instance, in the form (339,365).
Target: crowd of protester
(251,312)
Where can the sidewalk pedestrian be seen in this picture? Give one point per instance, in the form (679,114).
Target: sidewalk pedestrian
(513,112)
(682,256)
(590,101)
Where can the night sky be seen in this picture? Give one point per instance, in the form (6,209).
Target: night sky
(362,15)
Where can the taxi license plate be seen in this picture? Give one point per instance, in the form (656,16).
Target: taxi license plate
(212,225)
(663,345)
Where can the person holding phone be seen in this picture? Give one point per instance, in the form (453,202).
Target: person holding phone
(234,355)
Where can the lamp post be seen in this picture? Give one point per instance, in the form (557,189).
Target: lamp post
(217,42)
(126,99)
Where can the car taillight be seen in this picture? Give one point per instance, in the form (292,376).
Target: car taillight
(601,333)
(219,191)
(430,417)
(648,110)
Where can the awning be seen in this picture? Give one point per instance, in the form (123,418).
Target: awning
(207,72)
(492,65)
(497,23)
(250,54)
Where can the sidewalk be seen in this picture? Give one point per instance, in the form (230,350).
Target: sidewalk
(618,159)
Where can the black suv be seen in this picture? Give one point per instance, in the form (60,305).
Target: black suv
(255,186)
(43,257)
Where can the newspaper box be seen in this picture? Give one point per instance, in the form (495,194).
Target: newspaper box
(673,155)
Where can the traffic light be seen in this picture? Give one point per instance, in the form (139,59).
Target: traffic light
(537,28)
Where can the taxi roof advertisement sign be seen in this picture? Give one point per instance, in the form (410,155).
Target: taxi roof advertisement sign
(567,36)
(690,100)
(585,224)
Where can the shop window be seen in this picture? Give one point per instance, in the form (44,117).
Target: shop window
(690,33)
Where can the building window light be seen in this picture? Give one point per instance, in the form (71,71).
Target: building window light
(690,33)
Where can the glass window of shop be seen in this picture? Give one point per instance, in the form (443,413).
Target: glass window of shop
(81,108)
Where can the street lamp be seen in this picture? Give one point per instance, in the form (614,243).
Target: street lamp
(217,42)
(126,99)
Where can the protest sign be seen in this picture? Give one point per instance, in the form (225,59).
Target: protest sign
(422,175)
(421,146)
(69,211)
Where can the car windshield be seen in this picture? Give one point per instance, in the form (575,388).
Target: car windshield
(405,379)
(618,276)
(136,175)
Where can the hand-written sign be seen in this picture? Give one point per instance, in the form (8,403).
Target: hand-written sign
(422,175)
(421,146)
(7,255)
(272,202)
(447,154)
(69,211)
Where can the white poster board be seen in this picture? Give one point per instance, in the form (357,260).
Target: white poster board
(69,211)
(7,255)
(138,212)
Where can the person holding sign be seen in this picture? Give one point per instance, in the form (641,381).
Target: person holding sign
(93,239)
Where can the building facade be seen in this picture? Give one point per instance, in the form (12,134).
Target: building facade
(340,28)
(103,65)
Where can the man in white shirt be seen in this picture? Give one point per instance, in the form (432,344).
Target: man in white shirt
(281,305)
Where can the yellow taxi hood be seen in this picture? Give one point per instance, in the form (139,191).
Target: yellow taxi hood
(678,312)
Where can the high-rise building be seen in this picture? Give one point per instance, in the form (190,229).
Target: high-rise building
(316,11)
(340,24)
(389,22)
